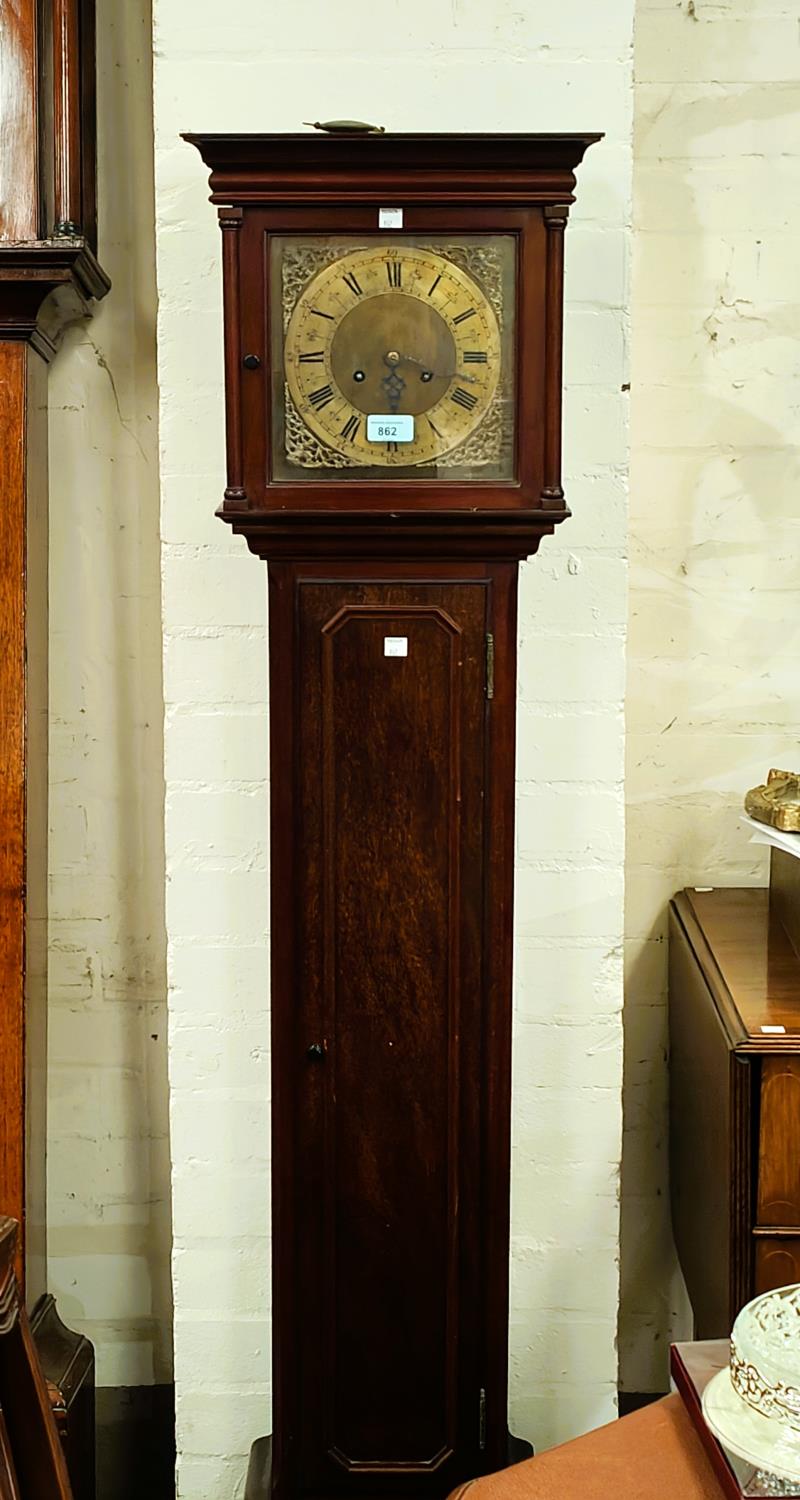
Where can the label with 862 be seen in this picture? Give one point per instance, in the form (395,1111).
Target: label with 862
(389,429)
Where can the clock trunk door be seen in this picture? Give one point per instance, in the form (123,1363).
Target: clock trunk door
(388,1031)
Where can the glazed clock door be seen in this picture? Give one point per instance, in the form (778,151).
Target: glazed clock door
(390,786)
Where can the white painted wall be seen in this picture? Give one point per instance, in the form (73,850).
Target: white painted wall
(108,1157)
(425,64)
(714,634)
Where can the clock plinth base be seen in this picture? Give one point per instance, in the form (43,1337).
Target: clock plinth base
(259,1470)
(518,1449)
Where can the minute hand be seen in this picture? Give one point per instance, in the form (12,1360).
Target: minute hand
(410,359)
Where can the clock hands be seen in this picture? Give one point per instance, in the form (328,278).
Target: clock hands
(428,373)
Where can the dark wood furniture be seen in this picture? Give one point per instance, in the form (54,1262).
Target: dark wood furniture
(392,824)
(734,1004)
(32,1462)
(49,274)
(653,1454)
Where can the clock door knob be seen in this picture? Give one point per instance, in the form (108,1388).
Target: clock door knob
(316,1052)
(251,362)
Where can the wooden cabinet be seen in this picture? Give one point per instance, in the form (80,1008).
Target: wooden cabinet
(393,585)
(734,999)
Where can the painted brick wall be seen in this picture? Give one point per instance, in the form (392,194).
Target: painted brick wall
(108,1158)
(448,64)
(713,638)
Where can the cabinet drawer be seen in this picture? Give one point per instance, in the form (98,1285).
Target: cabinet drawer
(777,1262)
(779,1142)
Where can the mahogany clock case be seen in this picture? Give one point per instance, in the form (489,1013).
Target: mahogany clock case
(393,607)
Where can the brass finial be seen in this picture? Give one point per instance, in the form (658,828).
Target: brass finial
(346,127)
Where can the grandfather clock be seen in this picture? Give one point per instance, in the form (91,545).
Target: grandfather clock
(393,318)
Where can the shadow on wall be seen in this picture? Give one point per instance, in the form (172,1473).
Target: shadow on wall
(109,1170)
(710,665)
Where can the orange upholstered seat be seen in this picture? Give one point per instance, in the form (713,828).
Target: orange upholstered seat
(654,1454)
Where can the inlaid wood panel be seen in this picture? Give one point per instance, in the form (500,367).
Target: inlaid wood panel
(392,755)
(779,1143)
(777,1263)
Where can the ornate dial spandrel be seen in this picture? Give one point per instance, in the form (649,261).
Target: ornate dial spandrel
(420,332)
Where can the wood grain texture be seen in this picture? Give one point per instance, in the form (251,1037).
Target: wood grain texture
(710,1213)
(391,949)
(734,1100)
(784,893)
(33,1444)
(756,962)
(779,1142)
(555,218)
(48,120)
(13,421)
(231,226)
(19,129)
(436,167)
(67,89)
(23,798)
(777,1263)
(391,757)
(67,1361)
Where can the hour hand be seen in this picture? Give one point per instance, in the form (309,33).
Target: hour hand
(411,359)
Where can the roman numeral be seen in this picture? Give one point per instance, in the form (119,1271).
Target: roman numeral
(394,271)
(432,289)
(318,314)
(350,428)
(464,398)
(462,317)
(391,447)
(351,281)
(474,357)
(315,358)
(322,396)
(433,427)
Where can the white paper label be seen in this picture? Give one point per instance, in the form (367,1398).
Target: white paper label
(395,645)
(390,218)
(774,1030)
(390,429)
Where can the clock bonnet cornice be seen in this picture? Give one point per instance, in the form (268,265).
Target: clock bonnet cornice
(305,173)
(392,833)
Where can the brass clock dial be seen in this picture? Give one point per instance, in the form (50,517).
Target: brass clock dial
(398,333)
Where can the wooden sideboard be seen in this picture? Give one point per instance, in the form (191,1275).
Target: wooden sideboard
(734,1006)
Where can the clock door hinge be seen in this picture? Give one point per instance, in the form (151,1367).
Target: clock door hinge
(482,1420)
(489,665)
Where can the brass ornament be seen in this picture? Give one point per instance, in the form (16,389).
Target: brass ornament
(777,801)
(346,127)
